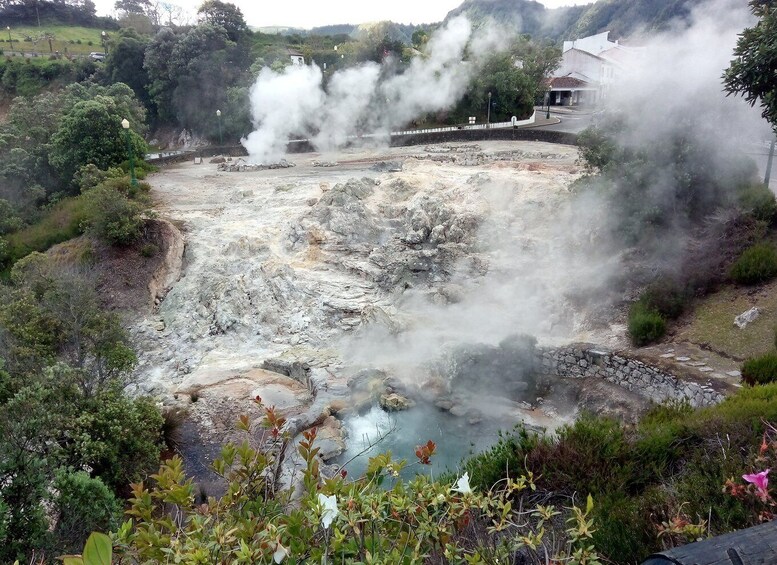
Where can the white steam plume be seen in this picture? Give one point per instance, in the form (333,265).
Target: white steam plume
(542,256)
(360,100)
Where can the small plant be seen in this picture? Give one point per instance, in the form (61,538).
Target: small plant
(669,298)
(149,250)
(757,264)
(646,325)
(760,370)
(759,201)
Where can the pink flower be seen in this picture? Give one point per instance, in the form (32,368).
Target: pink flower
(760,480)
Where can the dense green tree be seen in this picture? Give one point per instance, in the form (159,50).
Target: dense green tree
(84,505)
(91,132)
(752,72)
(161,72)
(133,6)
(225,15)
(124,63)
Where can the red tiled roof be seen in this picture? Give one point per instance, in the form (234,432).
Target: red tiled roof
(567,82)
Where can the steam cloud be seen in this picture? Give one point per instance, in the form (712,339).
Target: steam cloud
(364,99)
(674,83)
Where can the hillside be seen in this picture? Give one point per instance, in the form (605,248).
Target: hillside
(621,17)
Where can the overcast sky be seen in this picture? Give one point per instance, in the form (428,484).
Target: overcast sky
(311,13)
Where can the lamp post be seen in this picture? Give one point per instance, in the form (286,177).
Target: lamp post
(125,124)
(488,115)
(221,137)
(9,36)
(103,37)
(547,103)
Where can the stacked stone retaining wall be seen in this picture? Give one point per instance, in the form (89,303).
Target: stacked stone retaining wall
(589,361)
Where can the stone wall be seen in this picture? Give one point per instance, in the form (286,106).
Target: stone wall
(586,360)
(464,135)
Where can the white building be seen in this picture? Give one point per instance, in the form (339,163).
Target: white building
(589,66)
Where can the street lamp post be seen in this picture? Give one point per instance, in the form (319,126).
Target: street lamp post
(125,124)
(547,103)
(104,36)
(488,114)
(221,137)
(9,36)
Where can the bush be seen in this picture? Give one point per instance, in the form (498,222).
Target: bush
(757,264)
(760,370)
(113,217)
(758,200)
(646,325)
(668,297)
(149,250)
(84,504)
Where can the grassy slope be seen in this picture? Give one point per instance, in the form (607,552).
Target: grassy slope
(63,35)
(713,321)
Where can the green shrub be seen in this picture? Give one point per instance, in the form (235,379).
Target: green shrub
(84,505)
(758,200)
(668,297)
(112,216)
(760,370)
(149,250)
(757,264)
(646,325)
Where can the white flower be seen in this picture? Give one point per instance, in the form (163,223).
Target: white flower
(329,504)
(462,485)
(280,553)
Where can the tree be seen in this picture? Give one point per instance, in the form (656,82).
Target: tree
(225,15)
(91,132)
(124,63)
(133,6)
(751,73)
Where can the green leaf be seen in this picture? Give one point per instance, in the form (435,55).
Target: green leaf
(68,560)
(98,550)
(589,505)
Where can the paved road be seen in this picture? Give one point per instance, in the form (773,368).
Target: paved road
(572,121)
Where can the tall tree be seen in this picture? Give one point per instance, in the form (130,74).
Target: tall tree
(752,72)
(225,15)
(133,6)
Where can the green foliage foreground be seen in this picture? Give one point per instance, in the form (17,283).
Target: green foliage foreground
(378,518)
(657,485)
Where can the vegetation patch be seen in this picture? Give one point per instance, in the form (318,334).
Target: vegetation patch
(646,324)
(756,265)
(760,370)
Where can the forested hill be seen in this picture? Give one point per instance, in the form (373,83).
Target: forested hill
(621,17)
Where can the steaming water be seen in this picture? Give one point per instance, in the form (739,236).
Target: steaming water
(403,431)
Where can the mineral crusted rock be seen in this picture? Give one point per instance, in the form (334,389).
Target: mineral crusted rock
(395,402)
(746,318)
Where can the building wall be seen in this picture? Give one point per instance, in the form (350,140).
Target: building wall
(593,44)
(577,62)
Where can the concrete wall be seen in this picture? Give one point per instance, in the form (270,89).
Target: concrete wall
(586,360)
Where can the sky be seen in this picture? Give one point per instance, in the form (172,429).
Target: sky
(311,13)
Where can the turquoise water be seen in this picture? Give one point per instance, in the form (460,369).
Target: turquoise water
(455,437)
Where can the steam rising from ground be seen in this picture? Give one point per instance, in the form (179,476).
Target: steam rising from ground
(675,82)
(367,99)
(675,85)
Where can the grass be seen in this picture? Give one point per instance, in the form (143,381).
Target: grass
(59,224)
(713,322)
(63,35)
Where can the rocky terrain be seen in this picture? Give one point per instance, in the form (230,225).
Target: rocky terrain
(387,277)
